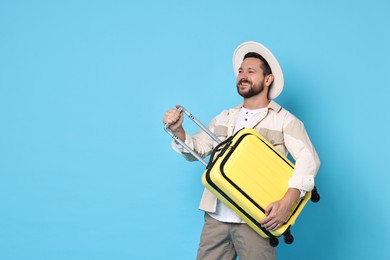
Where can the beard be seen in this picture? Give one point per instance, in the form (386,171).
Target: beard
(250,91)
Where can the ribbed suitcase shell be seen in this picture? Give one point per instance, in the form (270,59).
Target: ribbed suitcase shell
(248,175)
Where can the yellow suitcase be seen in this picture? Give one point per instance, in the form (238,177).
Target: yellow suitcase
(247,174)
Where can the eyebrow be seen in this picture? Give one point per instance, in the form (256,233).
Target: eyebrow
(249,68)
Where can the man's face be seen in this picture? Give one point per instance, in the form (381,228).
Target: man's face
(250,79)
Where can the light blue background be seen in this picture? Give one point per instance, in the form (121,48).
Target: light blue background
(86,170)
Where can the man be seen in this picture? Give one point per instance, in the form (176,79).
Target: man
(259,81)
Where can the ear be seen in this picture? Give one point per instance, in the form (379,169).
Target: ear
(269,79)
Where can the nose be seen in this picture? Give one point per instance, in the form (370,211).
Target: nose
(241,76)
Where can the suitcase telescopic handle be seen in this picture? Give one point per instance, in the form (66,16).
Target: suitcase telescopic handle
(185,146)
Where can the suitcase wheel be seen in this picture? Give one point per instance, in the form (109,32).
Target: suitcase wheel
(288,238)
(273,241)
(315,197)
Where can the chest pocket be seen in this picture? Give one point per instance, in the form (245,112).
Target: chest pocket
(274,137)
(221,132)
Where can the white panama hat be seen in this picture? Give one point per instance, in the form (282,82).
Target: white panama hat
(251,46)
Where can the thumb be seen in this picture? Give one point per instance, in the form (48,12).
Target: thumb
(268,209)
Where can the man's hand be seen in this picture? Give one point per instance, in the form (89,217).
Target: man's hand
(278,212)
(175,119)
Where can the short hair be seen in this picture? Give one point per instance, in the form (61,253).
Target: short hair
(264,64)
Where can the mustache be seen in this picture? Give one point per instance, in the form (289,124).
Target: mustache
(244,81)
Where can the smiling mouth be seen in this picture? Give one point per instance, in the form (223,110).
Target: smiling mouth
(244,83)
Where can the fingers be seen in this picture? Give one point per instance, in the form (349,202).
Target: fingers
(268,221)
(273,220)
(171,117)
(174,118)
(268,209)
(271,223)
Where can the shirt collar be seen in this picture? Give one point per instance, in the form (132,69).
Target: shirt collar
(272,105)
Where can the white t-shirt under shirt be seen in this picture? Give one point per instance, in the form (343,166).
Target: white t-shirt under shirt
(244,120)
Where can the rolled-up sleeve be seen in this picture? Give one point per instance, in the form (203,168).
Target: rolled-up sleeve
(307,162)
(200,142)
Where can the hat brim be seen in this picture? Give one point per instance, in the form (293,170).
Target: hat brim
(251,46)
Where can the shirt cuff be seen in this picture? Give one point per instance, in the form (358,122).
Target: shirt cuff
(177,147)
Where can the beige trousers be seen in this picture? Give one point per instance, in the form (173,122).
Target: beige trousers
(226,241)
